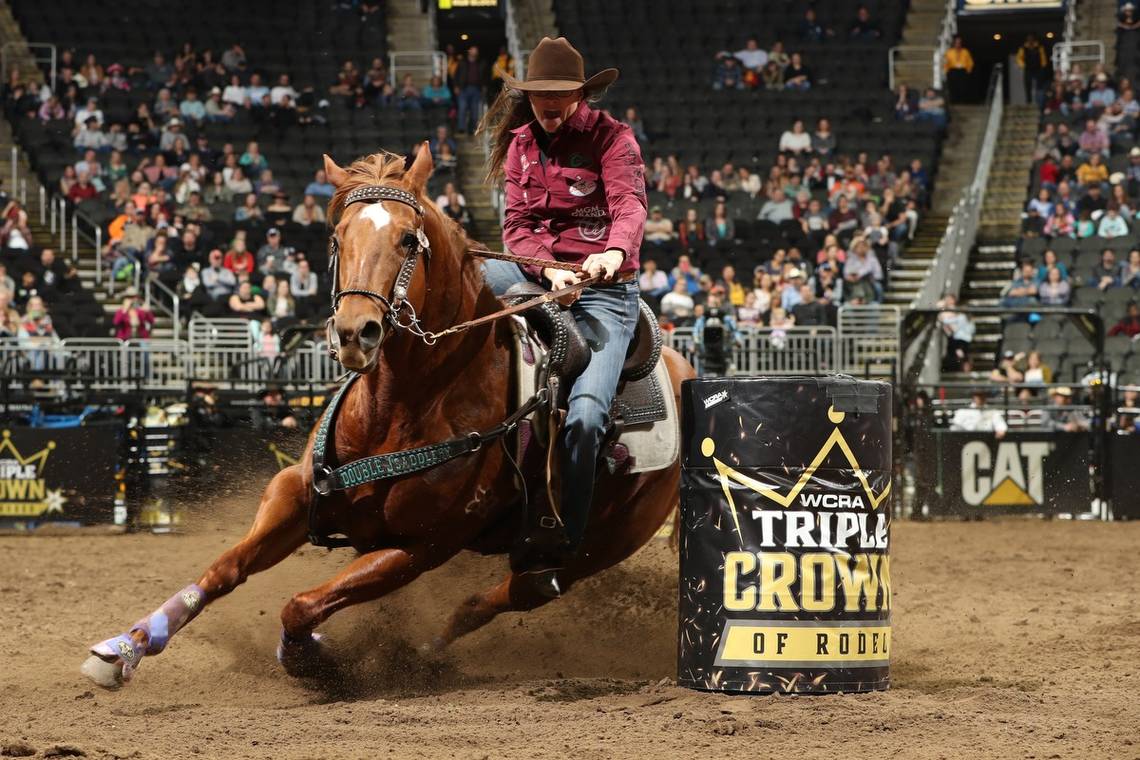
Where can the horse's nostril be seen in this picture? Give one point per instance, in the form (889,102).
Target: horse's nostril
(370,333)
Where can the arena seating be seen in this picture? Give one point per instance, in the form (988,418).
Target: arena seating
(667,77)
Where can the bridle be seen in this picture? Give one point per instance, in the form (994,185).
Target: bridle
(416,243)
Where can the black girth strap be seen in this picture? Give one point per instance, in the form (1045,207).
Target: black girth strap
(392,465)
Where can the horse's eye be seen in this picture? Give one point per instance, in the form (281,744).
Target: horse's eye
(408,241)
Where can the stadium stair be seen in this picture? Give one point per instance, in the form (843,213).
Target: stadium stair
(1013,159)
(1096,20)
(534,20)
(909,272)
(408,27)
(959,155)
(914,68)
(484,217)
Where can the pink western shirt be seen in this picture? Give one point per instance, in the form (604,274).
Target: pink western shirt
(585,196)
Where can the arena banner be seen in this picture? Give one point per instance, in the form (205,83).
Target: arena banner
(969,7)
(1124,454)
(65,475)
(785,535)
(975,473)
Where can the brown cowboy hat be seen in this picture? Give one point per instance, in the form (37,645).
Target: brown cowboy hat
(555,66)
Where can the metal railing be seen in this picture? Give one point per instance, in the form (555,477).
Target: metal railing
(169,302)
(945,39)
(1065,54)
(421,64)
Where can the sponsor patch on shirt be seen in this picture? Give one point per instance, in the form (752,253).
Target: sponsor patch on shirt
(593,212)
(593,230)
(583,187)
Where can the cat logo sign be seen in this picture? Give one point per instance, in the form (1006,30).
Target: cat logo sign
(1011,476)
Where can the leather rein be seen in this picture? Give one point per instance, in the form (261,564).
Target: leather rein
(418,245)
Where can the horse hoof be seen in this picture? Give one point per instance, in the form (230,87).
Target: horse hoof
(109,675)
(435,646)
(306,657)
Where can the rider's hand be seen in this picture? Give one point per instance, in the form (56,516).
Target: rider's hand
(606,264)
(561,278)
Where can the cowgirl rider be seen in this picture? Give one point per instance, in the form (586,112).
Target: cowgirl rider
(575,192)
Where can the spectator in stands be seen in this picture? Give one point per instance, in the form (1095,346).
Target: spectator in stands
(249,210)
(1032,61)
(303,283)
(828,284)
(843,221)
(823,142)
(1061,223)
(979,417)
(1042,205)
(733,289)
(677,305)
(37,332)
(1129,324)
(1130,272)
(1107,273)
(1093,140)
(239,260)
(471,78)
(658,229)
(687,273)
(238,183)
(88,111)
(192,109)
(274,256)
(749,183)
(959,330)
(279,212)
(436,95)
(752,56)
(320,186)
(1101,95)
(252,161)
(246,303)
(728,74)
(1049,261)
(790,295)
(194,210)
(652,280)
(809,312)
(456,207)
(864,27)
(82,190)
(797,76)
(217,110)
(812,29)
(9,317)
(1063,418)
(7,284)
(719,228)
(637,125)
(1036,371)
(932,108)
(777,208)
(1021,292)
(692,230)
(132,321)
(862,274)
(91,136)
(795,140)
(1112,224)
(772,76)
(1054,291)
(959,67)
(160,260)
(906,107)
(308,212)
(280,305)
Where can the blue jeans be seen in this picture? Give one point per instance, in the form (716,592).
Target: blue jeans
(606,317)
(470,98)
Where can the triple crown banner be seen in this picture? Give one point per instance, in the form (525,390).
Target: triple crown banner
(785,505)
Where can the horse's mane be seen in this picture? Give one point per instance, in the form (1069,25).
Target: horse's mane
(375,169)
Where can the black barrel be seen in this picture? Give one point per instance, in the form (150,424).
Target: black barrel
(785,507)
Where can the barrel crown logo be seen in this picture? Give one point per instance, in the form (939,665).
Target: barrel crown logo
(23,490)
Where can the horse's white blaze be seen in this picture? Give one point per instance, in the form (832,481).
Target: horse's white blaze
(377,214)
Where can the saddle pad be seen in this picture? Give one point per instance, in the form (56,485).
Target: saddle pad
(652,431)
(655,445)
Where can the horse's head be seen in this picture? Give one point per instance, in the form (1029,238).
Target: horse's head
(378,243)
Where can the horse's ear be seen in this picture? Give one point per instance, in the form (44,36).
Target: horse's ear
(418,175)
(336,175)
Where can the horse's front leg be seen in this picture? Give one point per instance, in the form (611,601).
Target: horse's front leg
(278,530)
(369,577)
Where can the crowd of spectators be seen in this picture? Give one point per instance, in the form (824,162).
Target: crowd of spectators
(842,217)
(208,220)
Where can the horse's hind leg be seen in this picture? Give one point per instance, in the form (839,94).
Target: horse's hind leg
(277,531)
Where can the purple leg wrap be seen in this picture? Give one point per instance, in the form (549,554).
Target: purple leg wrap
(168,619)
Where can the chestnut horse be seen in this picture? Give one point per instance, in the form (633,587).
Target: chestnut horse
(410,393)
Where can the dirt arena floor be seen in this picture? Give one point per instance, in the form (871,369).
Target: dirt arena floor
(1018,639)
